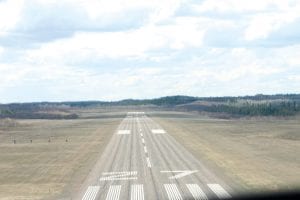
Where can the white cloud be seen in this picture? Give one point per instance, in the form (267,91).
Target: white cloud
(108,50)
(261,25)
(294,78)
(290,55)
(97,9)
(258,18)
(9,15)
(237,6)
(184,33)
(1,50)
(85,45)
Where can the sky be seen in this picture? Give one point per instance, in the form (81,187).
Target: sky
(71,50)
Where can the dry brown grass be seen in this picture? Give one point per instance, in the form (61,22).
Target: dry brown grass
(50,170)
(256,155)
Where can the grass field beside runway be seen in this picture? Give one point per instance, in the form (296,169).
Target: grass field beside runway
(257,155)
(50,169)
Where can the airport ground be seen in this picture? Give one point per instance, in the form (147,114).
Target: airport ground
(50,159)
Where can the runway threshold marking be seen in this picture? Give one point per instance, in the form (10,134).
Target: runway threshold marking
(172,192)
(137,192)
(180,173)
(114,192)
(123,132)
(91,193)
(196,192)
(111,176)
(219,191)
(148,162)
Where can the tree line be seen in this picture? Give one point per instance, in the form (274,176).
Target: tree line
(284,108)
(265,105)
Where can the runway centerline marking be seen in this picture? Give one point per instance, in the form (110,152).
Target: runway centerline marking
(180,173)
(91,193)
(145,149)
(148,162)
(143,140)
(219,191)
(111,176)
(114,192)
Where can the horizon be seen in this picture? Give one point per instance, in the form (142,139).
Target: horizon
(57,51)
(103,101)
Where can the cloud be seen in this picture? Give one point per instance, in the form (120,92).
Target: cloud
(254,23)
(218,71)
(44,21)
(286,35)
(262,25)
(131,44)
(9,10)
(240,7)
(1,50)
(109,50)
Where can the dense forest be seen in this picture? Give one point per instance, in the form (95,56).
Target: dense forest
(258,105)
(36,111)
(275,108)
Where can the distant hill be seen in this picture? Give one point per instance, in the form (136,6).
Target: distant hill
(257,105)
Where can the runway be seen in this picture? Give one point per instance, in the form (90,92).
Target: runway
(142,161)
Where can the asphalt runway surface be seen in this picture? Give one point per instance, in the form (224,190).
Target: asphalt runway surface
(142,161)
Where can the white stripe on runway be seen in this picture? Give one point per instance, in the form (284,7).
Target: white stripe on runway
(173,192)
(196,192)
(137,192)
(114,192)
(143,141)
(123,132)
(91,193)
(219,191)
(141,134)
(145,149)
(158,131)
(148,162)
